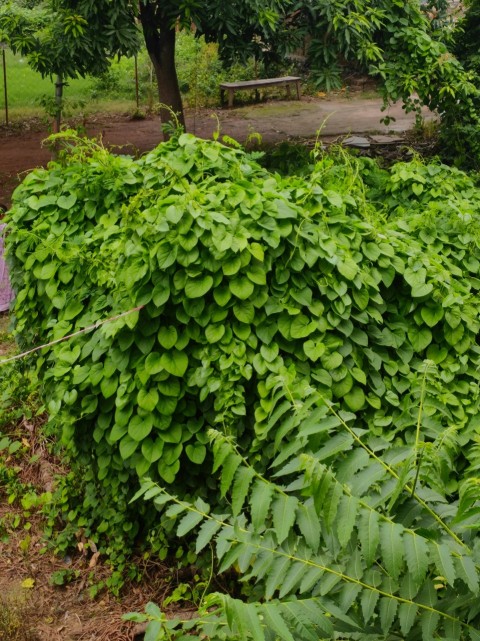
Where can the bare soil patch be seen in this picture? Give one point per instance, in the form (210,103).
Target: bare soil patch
(21,147)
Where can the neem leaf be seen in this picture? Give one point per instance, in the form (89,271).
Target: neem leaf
(198,287)
(175,362)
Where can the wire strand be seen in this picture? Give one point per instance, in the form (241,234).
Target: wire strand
(85,330)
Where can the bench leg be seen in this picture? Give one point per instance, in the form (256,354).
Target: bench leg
(222,97)
(297,82)
(289,95)
(230,98)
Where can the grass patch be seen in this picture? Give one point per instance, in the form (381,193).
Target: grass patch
(14,620)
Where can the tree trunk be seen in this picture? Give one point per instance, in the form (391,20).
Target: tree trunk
(159,36)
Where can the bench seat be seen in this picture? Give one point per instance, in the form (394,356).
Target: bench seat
(243,85)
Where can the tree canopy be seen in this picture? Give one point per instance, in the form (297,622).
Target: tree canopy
(390,39)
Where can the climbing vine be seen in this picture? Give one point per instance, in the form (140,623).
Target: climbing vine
(273,310)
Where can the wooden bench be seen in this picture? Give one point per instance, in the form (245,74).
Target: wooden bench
(243,85)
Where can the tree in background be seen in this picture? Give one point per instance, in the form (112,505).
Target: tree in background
(68,40)
(393,40)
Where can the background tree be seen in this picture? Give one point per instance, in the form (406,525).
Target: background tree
(394,41)
(64,40)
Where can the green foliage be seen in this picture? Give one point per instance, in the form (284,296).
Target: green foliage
(326,555)
(65,39)
(353,288)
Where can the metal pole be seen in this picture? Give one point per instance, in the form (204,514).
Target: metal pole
(136,83)
(5,93)
(58,102)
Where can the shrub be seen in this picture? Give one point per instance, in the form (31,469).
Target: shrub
(259,295)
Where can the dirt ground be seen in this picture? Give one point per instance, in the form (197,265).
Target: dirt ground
(21,146)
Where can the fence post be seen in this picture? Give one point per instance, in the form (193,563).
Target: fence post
(3,46)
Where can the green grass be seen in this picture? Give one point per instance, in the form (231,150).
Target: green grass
(26,87)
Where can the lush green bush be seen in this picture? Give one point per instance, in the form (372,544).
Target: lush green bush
(296,315)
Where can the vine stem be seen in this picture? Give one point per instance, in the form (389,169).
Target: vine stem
(417,460)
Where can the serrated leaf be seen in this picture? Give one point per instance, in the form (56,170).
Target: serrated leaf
(260,500)
(230,466)
(391,545)
(283,511)
(276,576)
(442,557)
(275,622)
(369,534)
(467,571)
(416,555)
(368,602)
(207,531)
(188,522)
(241,485)
(309,525)
(346,517)
(429,622)
(388,610)
(292,579)
(407,614)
